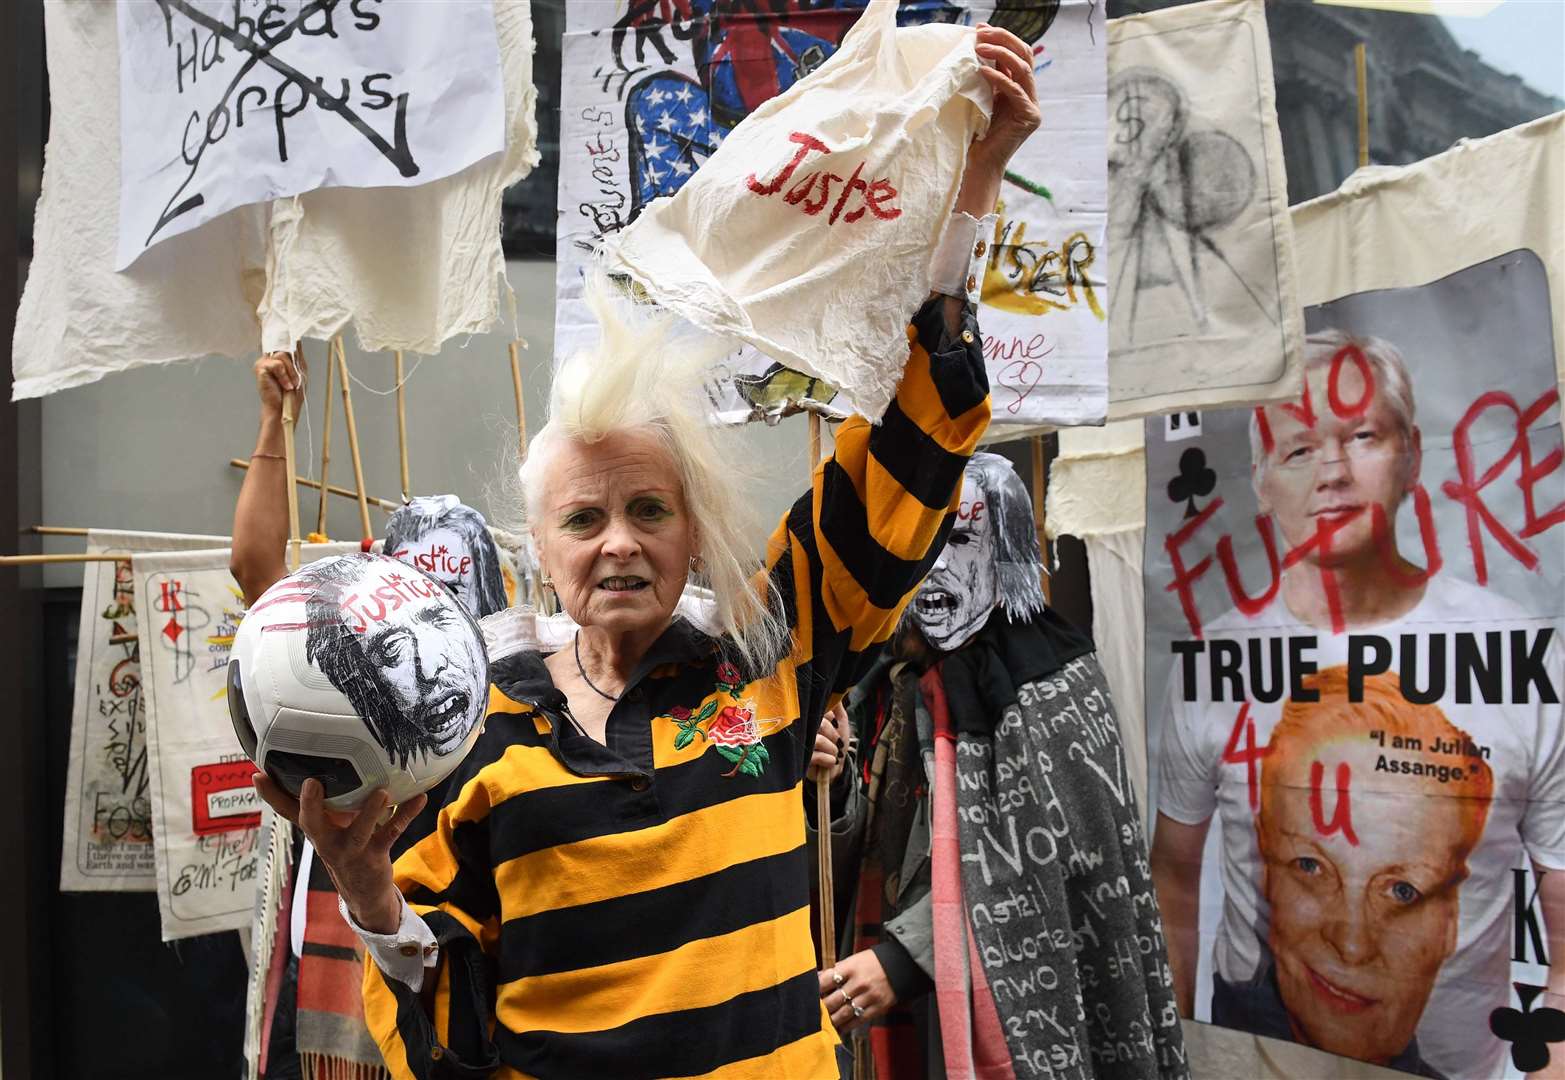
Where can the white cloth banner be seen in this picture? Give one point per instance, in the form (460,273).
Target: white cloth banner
(1119,632)
(1206,311)
(205,812)
(1046,289)
(1097,482)
(107,839)
(646,101)
(808,233)
(410,267)
(336,95)
(1428,223)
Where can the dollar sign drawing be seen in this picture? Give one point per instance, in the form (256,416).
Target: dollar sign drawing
(1128,113)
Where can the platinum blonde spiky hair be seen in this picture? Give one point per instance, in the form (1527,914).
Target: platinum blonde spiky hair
(647,372)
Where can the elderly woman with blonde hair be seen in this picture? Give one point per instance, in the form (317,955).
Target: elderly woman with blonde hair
(618,882)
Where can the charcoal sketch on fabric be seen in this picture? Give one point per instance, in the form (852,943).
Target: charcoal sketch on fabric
(205,812)
(223,104)
(648,96)
(1206,309)
(107,837)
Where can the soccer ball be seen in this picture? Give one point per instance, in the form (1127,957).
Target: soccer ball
(362,672)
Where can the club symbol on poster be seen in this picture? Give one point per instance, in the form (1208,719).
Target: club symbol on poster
(1194,479)
(1528,1030)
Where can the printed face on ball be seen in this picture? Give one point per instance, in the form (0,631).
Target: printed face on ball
(402,649)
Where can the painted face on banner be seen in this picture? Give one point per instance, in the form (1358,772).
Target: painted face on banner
(408,656)
(1340,467)
(963,588)
(1360,930)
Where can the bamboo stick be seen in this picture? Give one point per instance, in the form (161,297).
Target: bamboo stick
(828,926)
(1040,484)
(402,430)
(353,447)
(1361,71)
(521,409)
(54,530)
(289,420)
(314,485)
(331,374)
(39,560)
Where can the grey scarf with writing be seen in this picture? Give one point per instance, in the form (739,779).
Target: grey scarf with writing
(1057,883)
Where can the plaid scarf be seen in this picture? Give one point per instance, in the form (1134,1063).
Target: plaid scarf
(334,1043)
(896,783)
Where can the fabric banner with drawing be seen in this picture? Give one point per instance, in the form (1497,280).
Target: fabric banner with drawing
(1354,602)
(106,843)
(409,267)
(1206,310)
(356,95)
(647,99)
(205,812)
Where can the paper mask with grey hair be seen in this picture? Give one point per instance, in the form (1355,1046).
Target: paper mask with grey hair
(450,542)
(991,558)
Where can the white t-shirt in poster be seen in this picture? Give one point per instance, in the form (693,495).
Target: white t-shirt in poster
(1526,817)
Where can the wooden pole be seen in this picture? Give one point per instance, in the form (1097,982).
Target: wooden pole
(1361,70)
(402,430)
(39,560)
(288,454)
(1040,484)
(828,927)
(521,409)
(353,447)
(314,485)
(331,375)
(54,530)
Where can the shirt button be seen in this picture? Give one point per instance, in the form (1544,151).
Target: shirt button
(408,950)
(978,251)
(639,784)
(972,282)
(967,336)
(436,1053)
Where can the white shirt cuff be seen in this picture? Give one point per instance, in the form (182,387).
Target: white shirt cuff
(957,268)
(402,955)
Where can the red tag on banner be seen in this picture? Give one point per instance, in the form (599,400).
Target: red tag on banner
(222,798)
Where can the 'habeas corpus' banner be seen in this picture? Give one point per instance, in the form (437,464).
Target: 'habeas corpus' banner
(1354,669)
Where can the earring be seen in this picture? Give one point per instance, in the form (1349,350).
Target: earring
(695,564)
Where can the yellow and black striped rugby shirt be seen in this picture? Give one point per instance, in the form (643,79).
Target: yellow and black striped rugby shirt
(641,908)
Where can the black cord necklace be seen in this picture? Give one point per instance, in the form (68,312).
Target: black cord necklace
(583,671)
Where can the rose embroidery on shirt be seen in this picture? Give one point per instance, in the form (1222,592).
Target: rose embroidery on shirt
(730,728)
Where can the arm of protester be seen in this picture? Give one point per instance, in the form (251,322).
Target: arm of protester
(1176,874)
(878,511)
(956,271)
(258,557)
(867,992)
(831,758)
(436,911)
